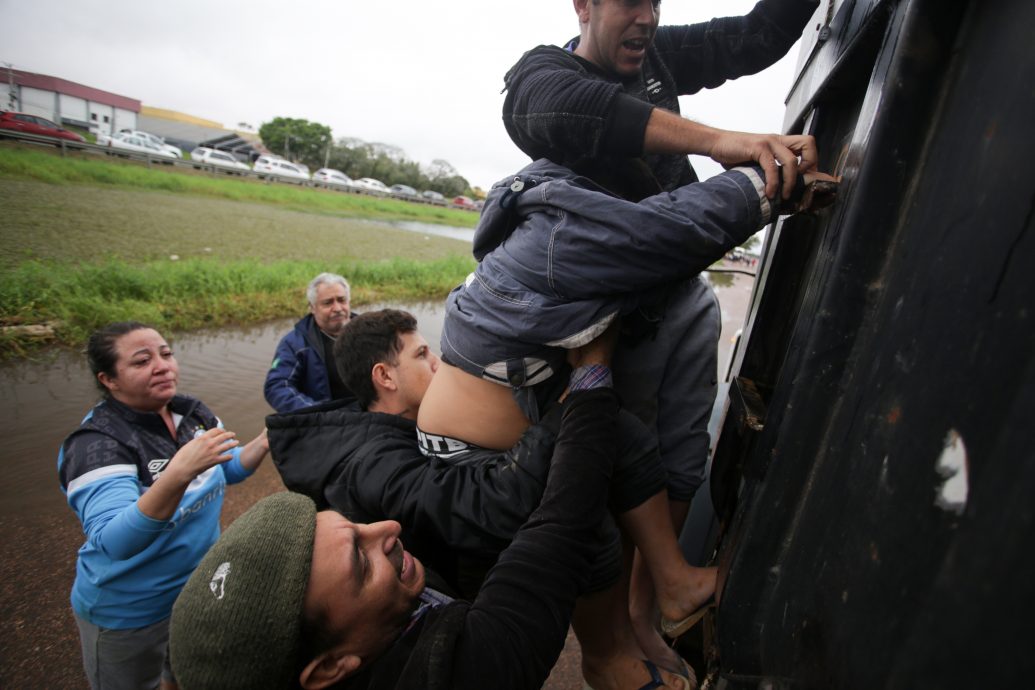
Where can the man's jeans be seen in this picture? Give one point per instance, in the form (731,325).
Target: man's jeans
(669,381)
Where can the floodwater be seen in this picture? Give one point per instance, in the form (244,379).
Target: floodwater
(41,402)
(465,234)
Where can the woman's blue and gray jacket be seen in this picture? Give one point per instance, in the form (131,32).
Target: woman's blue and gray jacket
(132,567)
(560,258)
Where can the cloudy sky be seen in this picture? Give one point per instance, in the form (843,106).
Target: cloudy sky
(421,75)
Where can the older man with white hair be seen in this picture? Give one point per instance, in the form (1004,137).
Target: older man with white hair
(299,375)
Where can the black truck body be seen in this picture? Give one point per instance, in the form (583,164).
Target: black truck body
(873,474)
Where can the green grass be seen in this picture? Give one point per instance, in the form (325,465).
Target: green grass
(24,162)
(77,252)
(69,222)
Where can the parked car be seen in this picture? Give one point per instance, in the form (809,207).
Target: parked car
(32,124)
(278,168)
(432,195)
(369,184)
(156,140)
(329,177)
(464,202)
(203,155)
(402,190)
(131,142)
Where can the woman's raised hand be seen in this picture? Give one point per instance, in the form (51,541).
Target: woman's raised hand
(206,450)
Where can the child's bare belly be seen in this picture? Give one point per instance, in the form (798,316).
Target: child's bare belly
(471,409)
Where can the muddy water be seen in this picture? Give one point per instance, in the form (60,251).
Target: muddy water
(42,402)
(465,234)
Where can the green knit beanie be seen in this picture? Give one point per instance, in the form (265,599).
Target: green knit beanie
(237,622)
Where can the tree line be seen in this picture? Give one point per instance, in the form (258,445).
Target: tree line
(311,143)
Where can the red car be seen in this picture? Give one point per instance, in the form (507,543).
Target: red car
(464,202)
(32,124)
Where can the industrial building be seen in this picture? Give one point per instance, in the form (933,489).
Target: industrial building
(68,103)
(102,112)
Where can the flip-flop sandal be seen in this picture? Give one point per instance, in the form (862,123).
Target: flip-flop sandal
(656,681)
(674,629)
(686,673)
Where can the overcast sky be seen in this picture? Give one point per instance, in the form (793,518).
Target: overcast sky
(421,75)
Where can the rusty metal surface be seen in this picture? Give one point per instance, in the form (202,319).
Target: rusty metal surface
(747,409)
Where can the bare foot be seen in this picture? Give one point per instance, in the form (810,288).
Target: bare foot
(644,621)
(686,594)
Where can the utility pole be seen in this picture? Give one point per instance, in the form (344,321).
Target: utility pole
(12,99)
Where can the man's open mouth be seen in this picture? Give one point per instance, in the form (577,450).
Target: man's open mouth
(406,567)
(635,44)
(397,556)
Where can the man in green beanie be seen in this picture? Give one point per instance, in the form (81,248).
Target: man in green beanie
(458,515)
(292,597)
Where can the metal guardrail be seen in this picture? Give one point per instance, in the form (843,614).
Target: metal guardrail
(67,145)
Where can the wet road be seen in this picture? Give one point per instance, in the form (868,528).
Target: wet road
(40,403)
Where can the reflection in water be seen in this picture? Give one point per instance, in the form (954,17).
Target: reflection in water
(465,234)
(719,279)
(42,402)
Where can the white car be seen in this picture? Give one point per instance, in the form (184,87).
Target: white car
(203,155)
(369,184)
(131,142)
(278,168)
(156,140)
(402,190)
(329,177)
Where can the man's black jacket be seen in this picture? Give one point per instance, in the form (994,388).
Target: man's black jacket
(510,636)
(367,466)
